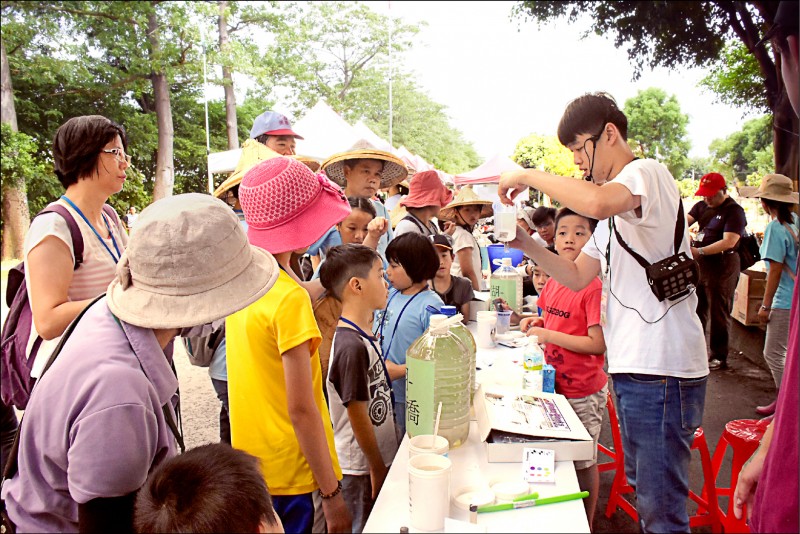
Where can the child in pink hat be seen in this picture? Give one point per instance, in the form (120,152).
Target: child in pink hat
(427,195)
(277,409)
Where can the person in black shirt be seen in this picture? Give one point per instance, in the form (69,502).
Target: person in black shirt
(721,222)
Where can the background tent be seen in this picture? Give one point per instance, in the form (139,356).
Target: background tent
(325,133)
(372,138)
(488,172)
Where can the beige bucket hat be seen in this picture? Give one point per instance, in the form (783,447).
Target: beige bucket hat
(394,170)
(466,197)
(773,187)
(253,153)
(188,263)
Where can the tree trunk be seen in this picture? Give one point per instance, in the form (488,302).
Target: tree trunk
(784,131)
(227,79)
(16,218)
(165,170)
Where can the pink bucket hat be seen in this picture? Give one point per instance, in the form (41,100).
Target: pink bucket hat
(427,189)
(287,207)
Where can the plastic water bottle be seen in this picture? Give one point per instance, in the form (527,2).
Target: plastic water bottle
(437,370)
(532,362)
(506,283)
(466,337)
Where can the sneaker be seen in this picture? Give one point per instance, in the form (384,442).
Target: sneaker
(717,365)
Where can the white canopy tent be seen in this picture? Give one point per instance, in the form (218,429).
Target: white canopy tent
(488,172)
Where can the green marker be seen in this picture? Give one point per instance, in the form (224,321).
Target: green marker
(533,502)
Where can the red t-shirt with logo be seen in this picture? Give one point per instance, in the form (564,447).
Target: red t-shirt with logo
(570,312)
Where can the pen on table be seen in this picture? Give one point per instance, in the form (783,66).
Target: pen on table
(533,502)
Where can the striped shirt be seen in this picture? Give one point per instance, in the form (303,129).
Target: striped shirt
(92,277)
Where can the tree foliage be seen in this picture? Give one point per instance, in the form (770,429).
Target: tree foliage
(693,34)
(657,128)
(745,152)
(736,80)
(546,153)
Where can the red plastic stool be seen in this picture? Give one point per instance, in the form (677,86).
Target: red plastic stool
(708,513)
(607,466)
(743,436)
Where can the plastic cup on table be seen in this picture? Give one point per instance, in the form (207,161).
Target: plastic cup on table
(429,490)
(487,322)
(503,321)
(426,444)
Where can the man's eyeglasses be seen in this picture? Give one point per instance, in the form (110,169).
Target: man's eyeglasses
(119,154)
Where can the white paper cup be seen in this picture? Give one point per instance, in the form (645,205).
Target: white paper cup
(487,321)
(429,490)
(427,444)
(505,223)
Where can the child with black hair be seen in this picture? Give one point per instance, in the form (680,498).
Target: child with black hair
(412,263)
(211,488)
(359,388)
(453,290)
(574,343)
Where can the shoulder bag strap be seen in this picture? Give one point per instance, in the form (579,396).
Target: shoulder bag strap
(415,221)
(10,469)
(74,231)
(676,242)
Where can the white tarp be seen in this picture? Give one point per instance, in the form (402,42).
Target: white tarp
(325,133)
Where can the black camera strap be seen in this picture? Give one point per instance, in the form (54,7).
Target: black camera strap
(677,241)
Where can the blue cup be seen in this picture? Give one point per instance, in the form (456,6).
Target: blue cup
(497,252)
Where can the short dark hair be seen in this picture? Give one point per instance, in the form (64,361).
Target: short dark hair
(565,212)
(344,262)
(77,145)
(211,488)
(363,204)
(416,254)
(589,114)
(541,214)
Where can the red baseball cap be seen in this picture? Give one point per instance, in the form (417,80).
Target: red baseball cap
(710,184)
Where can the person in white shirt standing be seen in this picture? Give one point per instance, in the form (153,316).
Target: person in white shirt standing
(656,349)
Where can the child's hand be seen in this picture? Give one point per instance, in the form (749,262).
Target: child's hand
(449,228)
(378,226)
(377,476)
(542,333)
(530,322)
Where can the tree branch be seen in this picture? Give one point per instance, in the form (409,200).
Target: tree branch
(82,12)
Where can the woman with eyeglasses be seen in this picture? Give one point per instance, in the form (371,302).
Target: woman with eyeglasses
(90,160)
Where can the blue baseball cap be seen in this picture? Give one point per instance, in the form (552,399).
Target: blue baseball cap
(272,123)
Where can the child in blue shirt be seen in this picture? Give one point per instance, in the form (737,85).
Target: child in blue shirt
(413,261)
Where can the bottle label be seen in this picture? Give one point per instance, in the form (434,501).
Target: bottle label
(420,411)
(506,290)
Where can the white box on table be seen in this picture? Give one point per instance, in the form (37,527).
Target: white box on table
(571,442)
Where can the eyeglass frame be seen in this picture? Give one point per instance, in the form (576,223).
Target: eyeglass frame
(126,158)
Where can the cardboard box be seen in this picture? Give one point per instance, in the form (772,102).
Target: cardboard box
(748,297)
(547,421)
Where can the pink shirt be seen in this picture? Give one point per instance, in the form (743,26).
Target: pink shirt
(570,312)
(775,504)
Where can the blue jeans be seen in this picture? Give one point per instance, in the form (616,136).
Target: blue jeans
(400,417)
(296,512)
(658,416)
(357,493)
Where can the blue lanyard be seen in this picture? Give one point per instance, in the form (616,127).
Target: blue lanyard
(397,323)
(102,241)
(372,340)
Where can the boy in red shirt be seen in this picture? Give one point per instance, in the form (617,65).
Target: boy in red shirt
(574,344)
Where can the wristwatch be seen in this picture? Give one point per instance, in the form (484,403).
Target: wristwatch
(701,252)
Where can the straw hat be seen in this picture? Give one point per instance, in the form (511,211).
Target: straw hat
(309,162)
(773,187)
(394,171)
(188,263)
(466,197)
(253,153)
(288,207)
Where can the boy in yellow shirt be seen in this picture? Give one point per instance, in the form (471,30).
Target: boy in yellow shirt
(277,408)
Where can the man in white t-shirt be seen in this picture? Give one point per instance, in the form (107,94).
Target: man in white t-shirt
(656,349)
